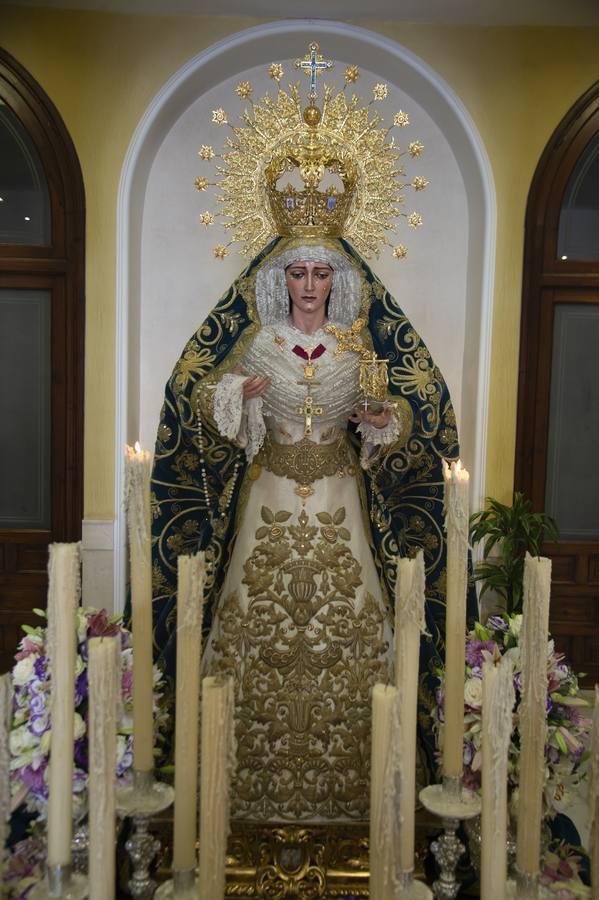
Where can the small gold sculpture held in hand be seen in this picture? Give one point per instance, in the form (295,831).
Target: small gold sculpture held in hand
(374,378)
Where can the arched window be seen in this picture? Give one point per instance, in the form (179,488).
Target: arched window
(41,345)
(558,403)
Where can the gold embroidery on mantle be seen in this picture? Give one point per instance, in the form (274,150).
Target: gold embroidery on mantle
(305,656)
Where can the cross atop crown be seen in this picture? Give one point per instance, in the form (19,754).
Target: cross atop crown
(313,63)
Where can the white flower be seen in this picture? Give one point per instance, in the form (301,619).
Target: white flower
(82,623)
(473,692)
(78,727)
(23,671)
(22,745)
(516,625)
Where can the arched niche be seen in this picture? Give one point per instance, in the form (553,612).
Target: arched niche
(166,276)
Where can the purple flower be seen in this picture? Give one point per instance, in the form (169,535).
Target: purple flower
(469,752)
(81,688)
(497,623)
(39,724)
(474,651)
(34,778)
(37,704)
(40,667)
(81,756)
(127,761)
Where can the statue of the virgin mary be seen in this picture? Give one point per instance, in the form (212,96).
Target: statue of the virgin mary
(300,485)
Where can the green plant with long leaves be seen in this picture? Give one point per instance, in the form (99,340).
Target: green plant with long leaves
(513,530)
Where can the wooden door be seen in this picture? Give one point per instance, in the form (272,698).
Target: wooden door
(41,346)
(557,463)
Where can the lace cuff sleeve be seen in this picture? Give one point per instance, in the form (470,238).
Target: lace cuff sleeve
(396,431)
(240,422)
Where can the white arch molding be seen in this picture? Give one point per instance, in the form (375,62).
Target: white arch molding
(236,53)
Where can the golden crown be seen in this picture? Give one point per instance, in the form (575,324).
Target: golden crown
(350,183)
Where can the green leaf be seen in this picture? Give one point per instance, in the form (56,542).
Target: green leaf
(559,738)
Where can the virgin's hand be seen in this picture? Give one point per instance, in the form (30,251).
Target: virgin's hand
(254,385)
(378,419)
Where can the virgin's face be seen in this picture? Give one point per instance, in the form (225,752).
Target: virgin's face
(309,284)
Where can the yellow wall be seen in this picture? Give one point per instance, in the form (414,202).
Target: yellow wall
(102,70)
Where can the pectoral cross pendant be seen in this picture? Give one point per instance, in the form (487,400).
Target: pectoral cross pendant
(309,409)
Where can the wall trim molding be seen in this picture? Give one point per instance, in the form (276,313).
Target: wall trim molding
(237,52)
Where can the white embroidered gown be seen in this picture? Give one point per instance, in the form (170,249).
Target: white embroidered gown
(301,621)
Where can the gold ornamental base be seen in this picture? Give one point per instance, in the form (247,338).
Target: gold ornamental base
(303,861)
(315,861)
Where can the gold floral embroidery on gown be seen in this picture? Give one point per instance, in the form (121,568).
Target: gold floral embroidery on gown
(303,628)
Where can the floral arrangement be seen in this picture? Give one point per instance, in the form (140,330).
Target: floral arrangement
(24,867)
(30,734)
(567,725)
(562,866)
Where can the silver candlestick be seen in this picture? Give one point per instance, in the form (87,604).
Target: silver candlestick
(451,802)
(140,801)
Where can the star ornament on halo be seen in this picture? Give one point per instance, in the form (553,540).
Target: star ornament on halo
(419,183)
(205,152)
(401,119)
(380,91)
(220,251)
(219,116)
(276,71)
(414,220)
(351,74)
(244,90)
(206,218)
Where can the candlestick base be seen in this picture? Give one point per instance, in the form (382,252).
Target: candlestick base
(144,797)
(410,889)
(447,802)
(142,800)
(183,886)
(61,883)
(452,802)
(525,886)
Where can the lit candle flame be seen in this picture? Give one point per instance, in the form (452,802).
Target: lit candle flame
(137,447)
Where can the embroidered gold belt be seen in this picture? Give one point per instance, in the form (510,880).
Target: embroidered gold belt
(306,461)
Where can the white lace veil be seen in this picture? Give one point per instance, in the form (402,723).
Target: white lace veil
(272,296)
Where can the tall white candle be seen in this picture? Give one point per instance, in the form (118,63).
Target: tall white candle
(456,523)
(190,597)
(498,703)
(104,675)
(217,762)
(384,793)
(63,598)
(533,715)
(6,701)
(409,624)
(594,798)
(138,467)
